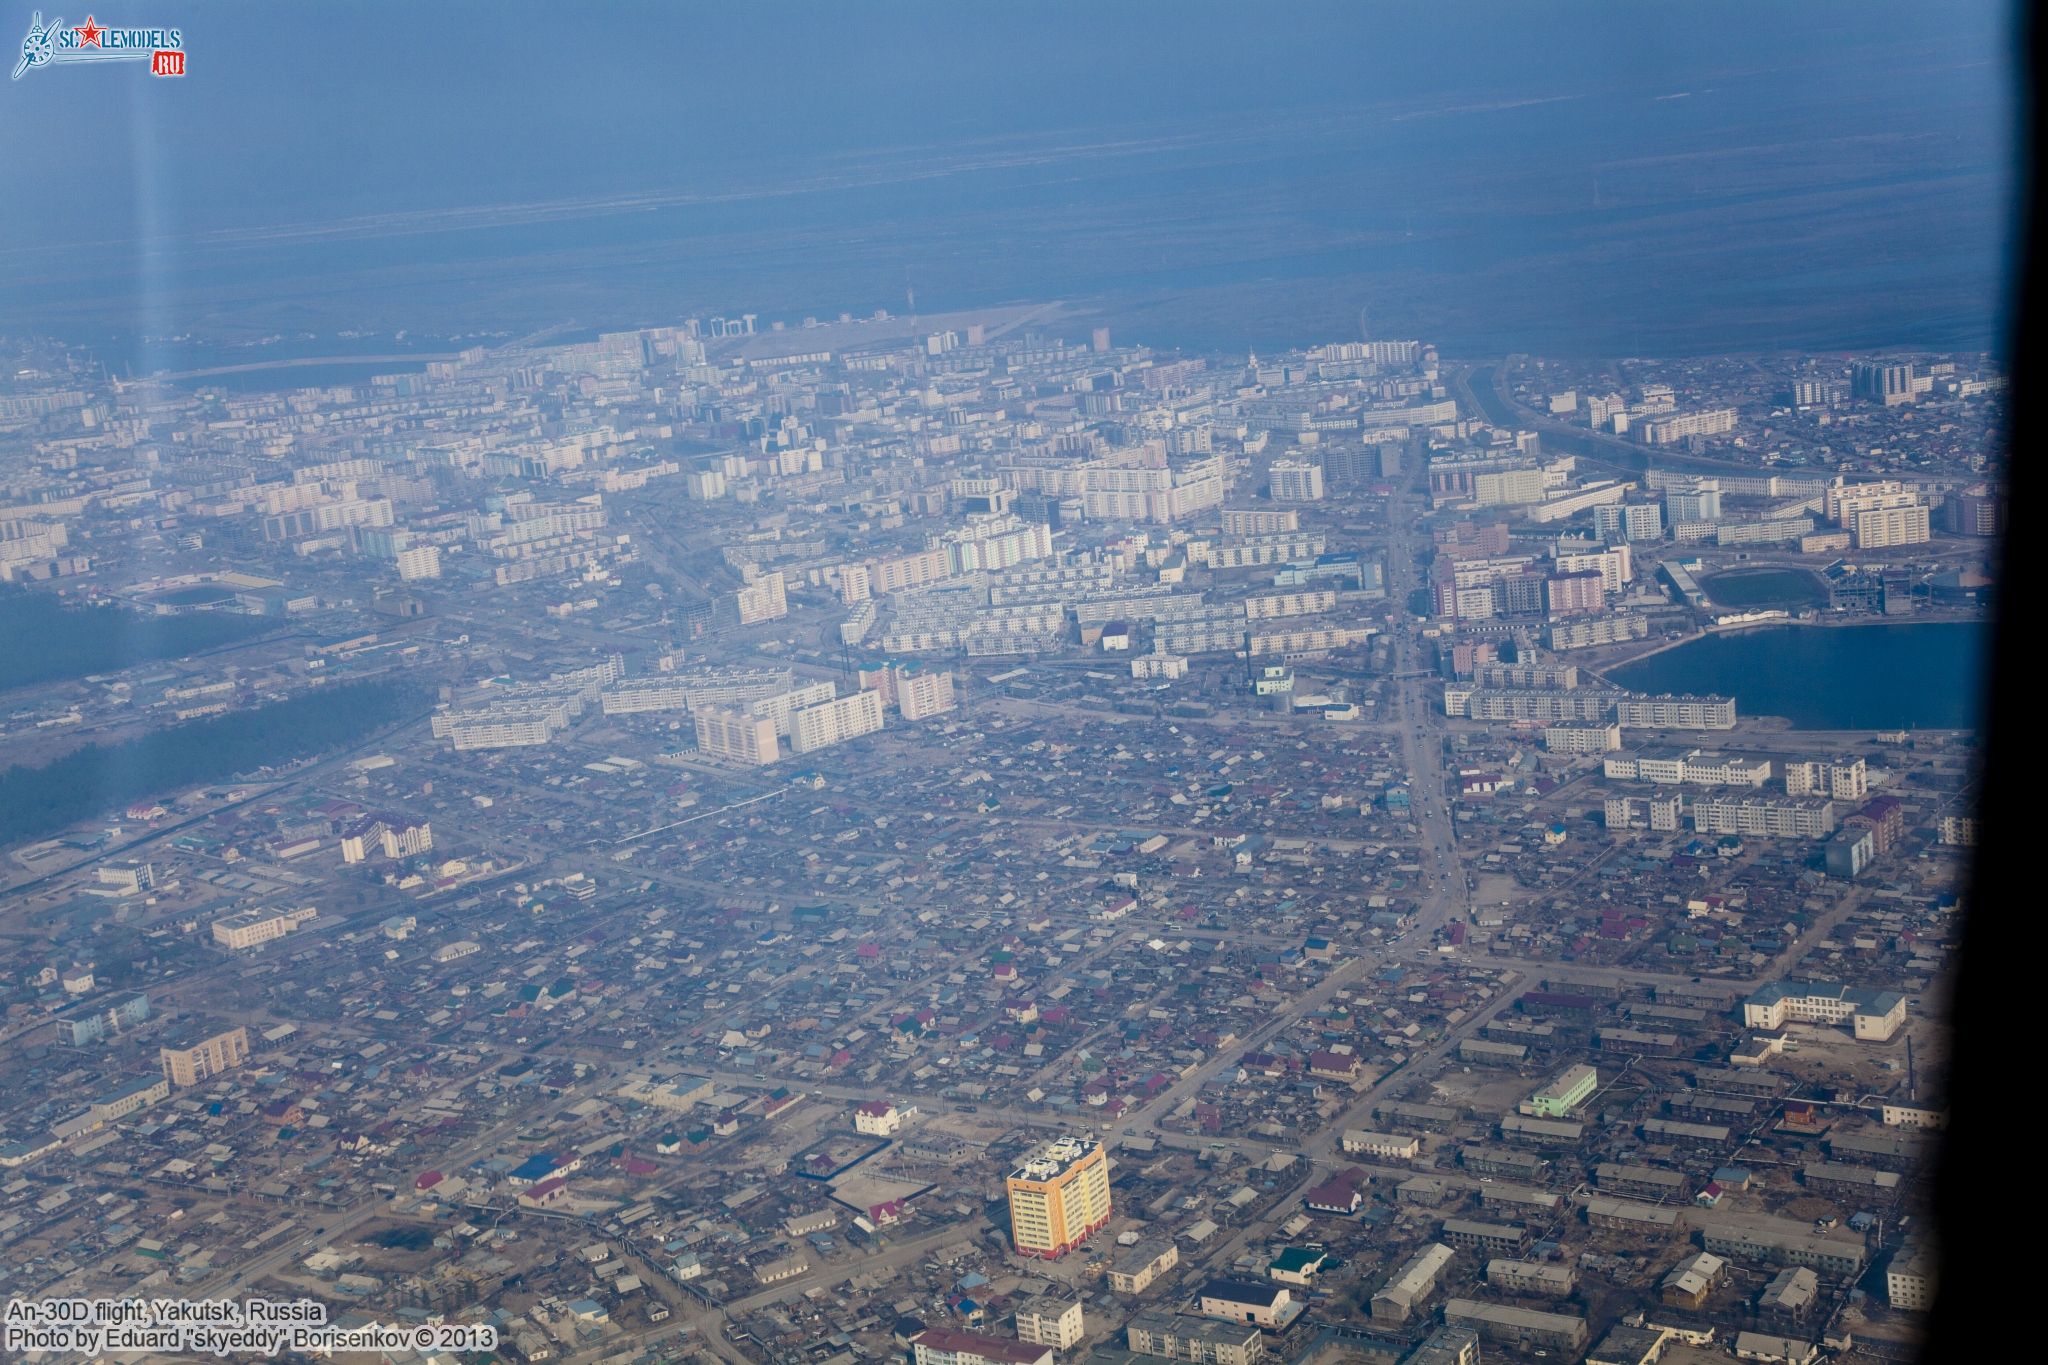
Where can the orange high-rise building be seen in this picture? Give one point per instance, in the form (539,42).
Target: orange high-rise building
(1059,1197)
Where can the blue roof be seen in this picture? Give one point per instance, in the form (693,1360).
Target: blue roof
(538,1167)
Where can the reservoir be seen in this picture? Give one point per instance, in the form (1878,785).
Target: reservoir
(74,642)
(1878,677)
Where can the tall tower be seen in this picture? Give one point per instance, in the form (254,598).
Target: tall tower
(1059,1197)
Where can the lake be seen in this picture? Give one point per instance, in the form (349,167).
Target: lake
(72,642)
(1878,677)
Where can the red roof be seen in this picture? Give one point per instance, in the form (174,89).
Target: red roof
(999,1349)
(428,1180)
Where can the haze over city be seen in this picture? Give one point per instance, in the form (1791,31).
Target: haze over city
(1052,685)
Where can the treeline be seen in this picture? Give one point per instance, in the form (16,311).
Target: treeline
(86,782)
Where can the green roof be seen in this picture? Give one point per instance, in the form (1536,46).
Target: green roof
(1296,1260)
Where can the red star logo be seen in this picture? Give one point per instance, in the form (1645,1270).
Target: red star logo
(88,33)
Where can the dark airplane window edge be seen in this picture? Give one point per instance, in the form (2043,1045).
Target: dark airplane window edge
(1980,1185)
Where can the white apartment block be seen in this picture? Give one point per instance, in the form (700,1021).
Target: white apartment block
(1909,1282)
(407,841)
(1582,739)
(916,569)
(1842,500)
(1599,630)
(1661,813)
(1615,565)
(1764,816)
(1667,430)
(688,689)
(1840,780)
(991,544)
(1669,766)
(502,734)
(923,693)
(1259,521)
(1883,528)
(1630,521)
(835,722)
(765,599)
(1259,551)
(855,584)
(1304,603)
(781,707)
(737,738)
(1048,1321)
(1296,481)
(1675,713)
(1296,643)
(418,562)
(1159,665)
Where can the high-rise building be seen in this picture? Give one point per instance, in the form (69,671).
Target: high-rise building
(854,584)
(736,737)
(1629,521)
(419,561)
(1059,1197)
(1816,393)
(1887,527)
(1296,481)
(1575,594)
(1796,818)
(1701,501)
(190,1063)
(1670,430)
(1842,500)
(1973,512)
(405,839)
(763,599)
(835,722)
(921,692)
(1841,779)
(1886,382)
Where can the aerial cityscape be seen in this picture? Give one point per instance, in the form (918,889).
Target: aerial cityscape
(962,833)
